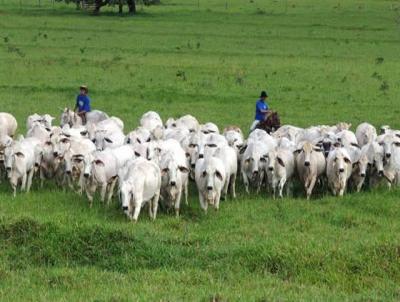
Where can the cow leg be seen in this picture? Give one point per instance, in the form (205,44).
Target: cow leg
(137,210)
(289,186)
(260,181)
(111,190)
(154,204)
(359,183)
(103,191)
(281,186)
(310,187)
(90,191)
(69,182)
(186,188)
(246,182)
(23,184)
(150,209)
(14,183)
(225,189)
(203,202)
(41,176)
(29,181)
(178,202)
(216,202)
(233,185)
(81,184)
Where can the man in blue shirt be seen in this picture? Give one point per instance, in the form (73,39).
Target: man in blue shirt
(82,105)
(261,110)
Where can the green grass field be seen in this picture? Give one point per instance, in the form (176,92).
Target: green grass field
(321,61)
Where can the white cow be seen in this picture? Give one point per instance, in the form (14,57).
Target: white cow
(196,148)
(310,165)
(5,141)
(8,127)
(391,147)
(39,131)
(111,124)
(20,160)
(72,152)
(174,180)
(210,179)
(209,128)
(338,170)
(74,132)
(187,121)
(234,138)
(229,158)
(347,138)
(181,135)
(8,124)
(151,120)
(359,173)
(253,164)
(138,136)
(142,184)
(101,170)
(365,133)
(46,120)
(288,131)
(280,169)
(104,139)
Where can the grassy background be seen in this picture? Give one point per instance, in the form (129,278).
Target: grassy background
(321,62)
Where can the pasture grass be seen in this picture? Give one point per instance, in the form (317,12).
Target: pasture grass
(321,61)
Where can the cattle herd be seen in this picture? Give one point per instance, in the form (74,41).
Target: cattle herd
(154,163)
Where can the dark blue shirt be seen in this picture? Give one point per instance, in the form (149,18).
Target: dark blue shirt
(83,103)
(260,105)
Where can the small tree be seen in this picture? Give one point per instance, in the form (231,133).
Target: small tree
(96,5)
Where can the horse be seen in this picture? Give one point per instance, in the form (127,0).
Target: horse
(71,118)
(271,123)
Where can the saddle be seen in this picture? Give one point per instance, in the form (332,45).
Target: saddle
(271,123)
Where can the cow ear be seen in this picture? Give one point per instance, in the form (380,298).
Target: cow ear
(347,160)
(183,169)
(317,149)
(219,175)
(99,162)
(280,161)
(242,149)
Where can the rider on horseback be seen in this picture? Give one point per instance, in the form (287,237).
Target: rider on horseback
(261,110)
(82,105)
